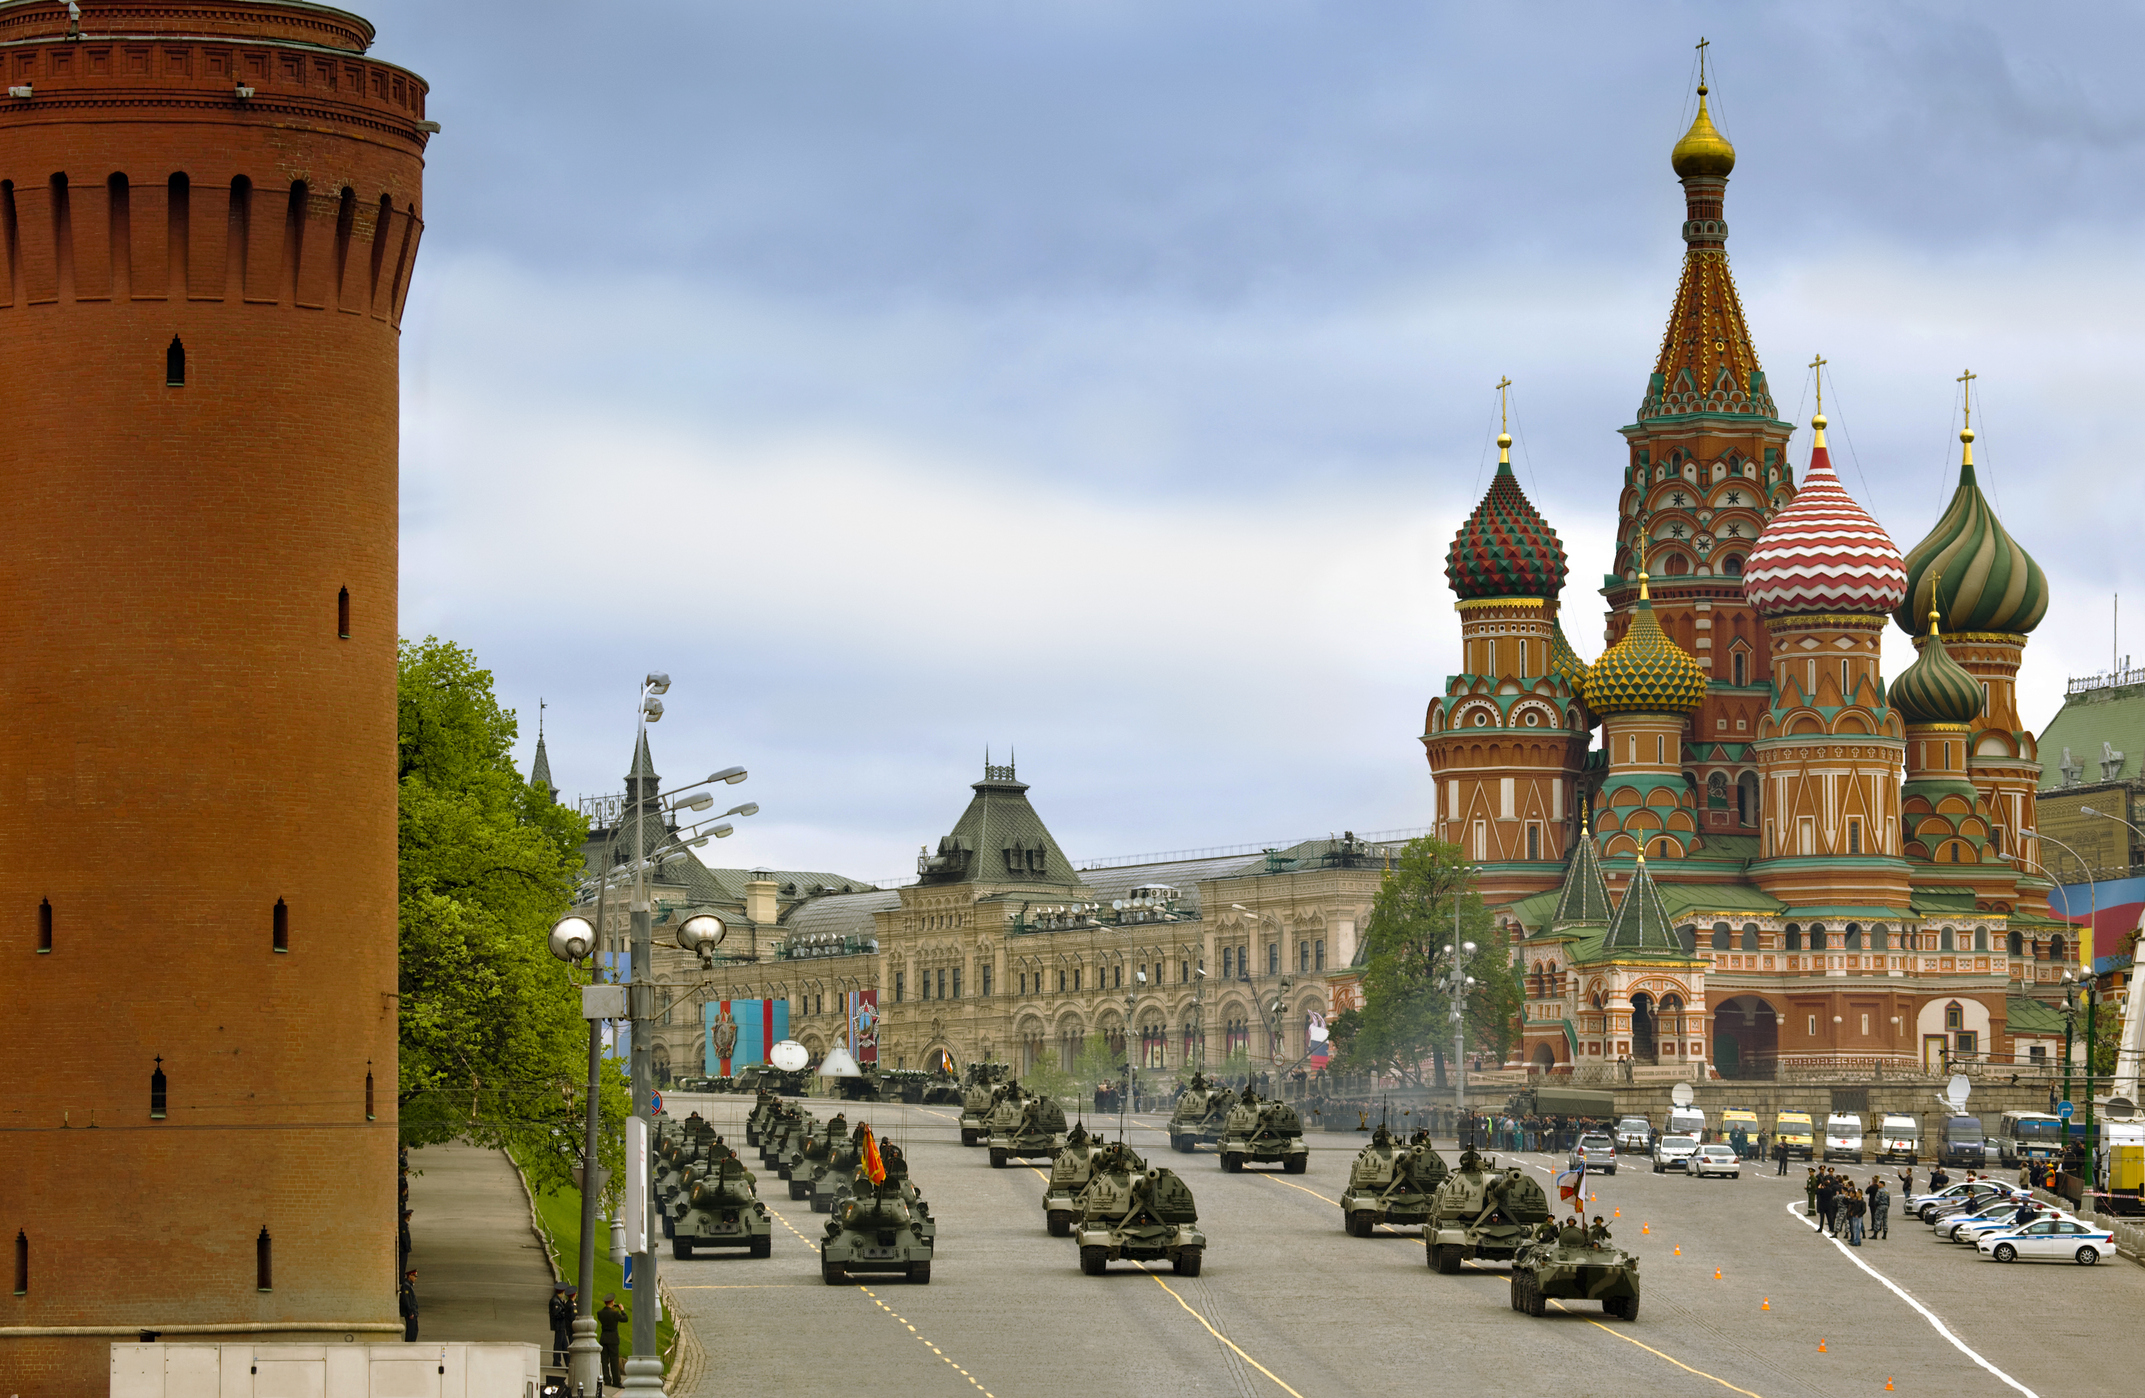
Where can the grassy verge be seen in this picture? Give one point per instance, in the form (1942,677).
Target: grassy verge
(559,1215)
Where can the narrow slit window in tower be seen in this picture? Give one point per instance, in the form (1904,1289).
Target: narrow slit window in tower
(1739,669)
(22,1263)
(264,1261)
(157,1086)
(44,925)
(368,1091)
(280,934)
(175,364)
(342,614)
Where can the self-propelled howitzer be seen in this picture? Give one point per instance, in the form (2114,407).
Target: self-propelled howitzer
(1481,1212)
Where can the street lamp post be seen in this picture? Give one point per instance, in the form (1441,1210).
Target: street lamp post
(1456,981)
(572,939)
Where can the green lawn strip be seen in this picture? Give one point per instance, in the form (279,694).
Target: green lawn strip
(560,1216)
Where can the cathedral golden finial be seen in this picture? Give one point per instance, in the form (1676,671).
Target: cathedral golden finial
(1966,432)
(1644,577)
(1504,422)
(1703,150)
(1586,817)
(1817,366)
(1934,616)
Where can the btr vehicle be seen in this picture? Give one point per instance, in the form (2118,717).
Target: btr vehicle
(1129,1213)
(1263,1132)
(1576,1265)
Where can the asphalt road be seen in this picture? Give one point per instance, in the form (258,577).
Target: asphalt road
(1288,1303)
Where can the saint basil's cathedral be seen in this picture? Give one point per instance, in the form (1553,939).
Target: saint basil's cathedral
(1776,861)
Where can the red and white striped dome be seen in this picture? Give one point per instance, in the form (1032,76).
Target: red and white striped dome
(1824,553)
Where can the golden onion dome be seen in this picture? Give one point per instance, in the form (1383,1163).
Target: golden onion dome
(1645,672)
(1703,150)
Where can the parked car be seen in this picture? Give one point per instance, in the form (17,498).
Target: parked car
(1674,1153)
(1996,1214)
(2001,1221)
(1634,1134)
(1926,1207)
(1715,1160)
(2060,1238)
(1596,1153)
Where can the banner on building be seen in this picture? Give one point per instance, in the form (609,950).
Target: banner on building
(740,1032)
(864,1025)
(1314,1033)
(2104,913)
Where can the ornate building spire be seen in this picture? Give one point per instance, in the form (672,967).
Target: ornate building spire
(1641,923)
(1506,548)
(1707,362)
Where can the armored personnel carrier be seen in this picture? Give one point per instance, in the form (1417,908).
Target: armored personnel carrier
(1263,1132)
(1199,1114)
(722,1210)
(1576,1265)
(1069,1174)
(1037,1132)
(875,1230)
(1132,1214)
(1391,1183)
(1483,1212)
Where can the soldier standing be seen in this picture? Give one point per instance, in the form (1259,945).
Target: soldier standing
(561,1322)
(407,1299)
(608,1320)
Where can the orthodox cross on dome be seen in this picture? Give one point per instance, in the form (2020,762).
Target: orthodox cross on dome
(1703,44)
(1817,366)
(1967,380)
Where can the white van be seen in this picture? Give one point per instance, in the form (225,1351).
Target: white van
(1899,1138)
(1843,1137)
(1686,1121)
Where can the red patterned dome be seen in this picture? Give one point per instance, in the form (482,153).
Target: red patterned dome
(1505,549)
(1824,553)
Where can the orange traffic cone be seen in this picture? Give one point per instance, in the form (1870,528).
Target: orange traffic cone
(1646,1228)
(1768,1304)
(1888,1383)
(1821,1347)
(1618,1213)
(1679,1250)
(1716,1274)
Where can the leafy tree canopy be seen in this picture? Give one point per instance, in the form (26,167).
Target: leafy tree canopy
(493,1046)
(1409,942)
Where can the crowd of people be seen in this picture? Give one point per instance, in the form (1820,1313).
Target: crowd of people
(1844,1209)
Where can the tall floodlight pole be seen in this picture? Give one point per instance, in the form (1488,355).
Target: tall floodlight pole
(1456,982)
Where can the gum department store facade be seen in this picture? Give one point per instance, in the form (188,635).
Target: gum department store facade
(1774,859)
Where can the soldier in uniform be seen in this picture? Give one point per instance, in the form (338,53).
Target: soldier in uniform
(1599,1233)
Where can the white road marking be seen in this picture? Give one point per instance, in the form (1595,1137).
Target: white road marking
(1795,1210)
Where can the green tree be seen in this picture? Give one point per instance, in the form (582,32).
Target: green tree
(493,1046)
(1405,1017)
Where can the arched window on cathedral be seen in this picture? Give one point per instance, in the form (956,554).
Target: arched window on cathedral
(1750,936)
(1981,939)
(1720,936)
(2055,947)
(1943,940)
(1854,936)
(1794,937)
(1879,939)
(2015,945)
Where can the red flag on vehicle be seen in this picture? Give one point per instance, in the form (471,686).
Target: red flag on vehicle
(1570,1183)
(874,1167)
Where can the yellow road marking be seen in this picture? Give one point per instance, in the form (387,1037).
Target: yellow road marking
(921,1340)
(1223,1338)
(1652,1351)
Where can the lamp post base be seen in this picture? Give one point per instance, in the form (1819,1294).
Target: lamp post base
(644,1374)
(584,1358)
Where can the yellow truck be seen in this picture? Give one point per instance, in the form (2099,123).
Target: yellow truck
(1794,1130)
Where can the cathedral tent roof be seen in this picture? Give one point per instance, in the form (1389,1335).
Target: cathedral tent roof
(1641,924)
(1583,901)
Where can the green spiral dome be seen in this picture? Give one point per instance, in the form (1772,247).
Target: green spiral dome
(1973,572)
(1645,672)
(1935,689)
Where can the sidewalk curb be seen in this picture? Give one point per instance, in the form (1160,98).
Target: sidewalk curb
(688,1359)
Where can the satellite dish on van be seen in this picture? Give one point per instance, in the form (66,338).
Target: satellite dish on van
(789,1055)
(1681,1094)
(1955,1092)
(838,1064)
(2120,1107)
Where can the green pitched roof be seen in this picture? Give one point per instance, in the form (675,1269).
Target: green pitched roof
(1641,924)
(1583,901)
(2023,1015)
(998,839)
(2093,726)
(1681,899)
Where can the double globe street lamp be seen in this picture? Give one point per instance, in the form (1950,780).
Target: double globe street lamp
(574,939)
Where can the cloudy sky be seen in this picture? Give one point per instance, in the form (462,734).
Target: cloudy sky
(1106,379)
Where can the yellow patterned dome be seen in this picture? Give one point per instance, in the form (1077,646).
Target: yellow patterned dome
(1703,150)
(1645,672)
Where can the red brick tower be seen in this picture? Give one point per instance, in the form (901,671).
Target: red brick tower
(209,211)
